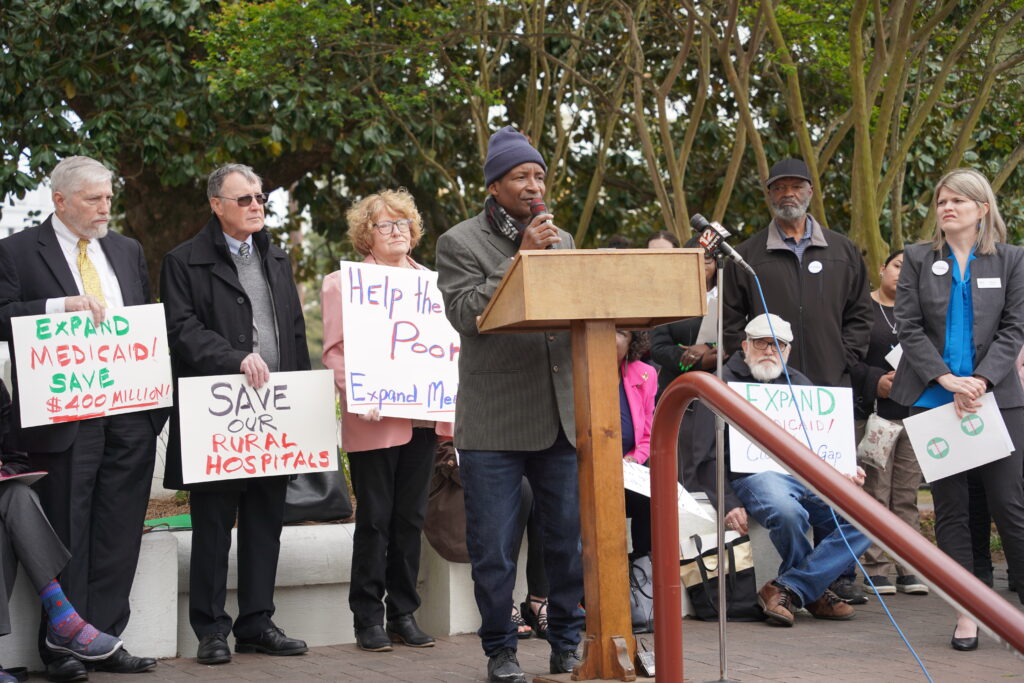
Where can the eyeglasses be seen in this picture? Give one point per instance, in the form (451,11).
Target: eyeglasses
(385,228)
(246,199)
(767,343)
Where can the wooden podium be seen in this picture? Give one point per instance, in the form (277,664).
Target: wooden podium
(591,293)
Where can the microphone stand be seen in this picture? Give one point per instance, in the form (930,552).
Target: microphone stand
(723,664)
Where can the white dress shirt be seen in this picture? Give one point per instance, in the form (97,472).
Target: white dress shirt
(68,242)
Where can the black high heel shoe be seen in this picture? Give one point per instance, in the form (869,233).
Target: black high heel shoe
(963,644)
(538,620)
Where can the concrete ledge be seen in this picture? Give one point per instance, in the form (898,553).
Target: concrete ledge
(150,631)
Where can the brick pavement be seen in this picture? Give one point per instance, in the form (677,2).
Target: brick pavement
(865,649)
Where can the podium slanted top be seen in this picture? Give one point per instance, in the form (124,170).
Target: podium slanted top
(546,290)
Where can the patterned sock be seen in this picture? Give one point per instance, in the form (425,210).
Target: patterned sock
(63,619)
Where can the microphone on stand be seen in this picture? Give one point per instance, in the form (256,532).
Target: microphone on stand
(712,238)
(537,207)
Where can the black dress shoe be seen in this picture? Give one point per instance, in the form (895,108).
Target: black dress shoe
(273,641)
(373,639)
(404,630)
(964,644)
(124,662)
(66,669)
(213,649)
(563,662)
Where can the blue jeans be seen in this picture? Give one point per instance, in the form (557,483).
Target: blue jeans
(492,480)
(787,509)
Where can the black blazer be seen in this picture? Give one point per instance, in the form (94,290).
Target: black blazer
(209,321)
(922,298)
(33,269)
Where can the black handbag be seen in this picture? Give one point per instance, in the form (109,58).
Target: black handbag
(700,577)
(317,497)
(641,595)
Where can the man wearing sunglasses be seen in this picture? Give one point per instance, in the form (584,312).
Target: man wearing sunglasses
(232,307)
(778,502)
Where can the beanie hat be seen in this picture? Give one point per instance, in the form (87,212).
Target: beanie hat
(506,149)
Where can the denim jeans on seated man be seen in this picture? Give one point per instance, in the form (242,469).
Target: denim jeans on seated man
(491,480)
(787,509)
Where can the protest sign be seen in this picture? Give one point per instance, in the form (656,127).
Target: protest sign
(946,444)
(70,369)
(894,356)
(827,413)
(637,478)
(401,353)
(229,430)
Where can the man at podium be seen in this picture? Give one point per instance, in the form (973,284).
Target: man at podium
(514,412)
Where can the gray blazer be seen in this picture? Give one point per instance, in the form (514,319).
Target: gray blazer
(922,298)
(515,390)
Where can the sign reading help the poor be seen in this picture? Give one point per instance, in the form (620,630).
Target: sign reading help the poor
(946,444)
(70,368)
(230,430)
(827,414)
(401,353)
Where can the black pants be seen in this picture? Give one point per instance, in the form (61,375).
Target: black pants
(27,537)
(391,499)
(260,512)
(1004,488)
(638,509)
(95,496)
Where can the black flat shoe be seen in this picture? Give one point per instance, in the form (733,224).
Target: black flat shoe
(404,630)
(373,639)
(963,644)
(213,649)
(123,662)
(273,641)
(66,669)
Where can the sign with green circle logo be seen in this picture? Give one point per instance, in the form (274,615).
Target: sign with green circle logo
(972,424)
(938,448)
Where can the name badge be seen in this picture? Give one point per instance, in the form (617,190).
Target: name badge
(989,283)
(940,267)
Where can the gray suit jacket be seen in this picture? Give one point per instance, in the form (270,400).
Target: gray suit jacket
(922,298)
(515,390)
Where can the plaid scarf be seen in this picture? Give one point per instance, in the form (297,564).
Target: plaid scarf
(499,219)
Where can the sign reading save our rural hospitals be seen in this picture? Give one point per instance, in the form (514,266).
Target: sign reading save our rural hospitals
(70,368)
(229,430)
(827,413)
(401,353)
(945,444)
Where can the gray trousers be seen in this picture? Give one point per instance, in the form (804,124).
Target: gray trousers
(26,536)
(895,487)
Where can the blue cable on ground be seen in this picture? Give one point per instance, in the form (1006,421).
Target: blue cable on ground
(807,437)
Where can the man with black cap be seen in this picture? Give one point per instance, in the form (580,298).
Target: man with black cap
(814,278)
(514,412)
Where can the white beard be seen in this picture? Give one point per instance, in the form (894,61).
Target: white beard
(764,372)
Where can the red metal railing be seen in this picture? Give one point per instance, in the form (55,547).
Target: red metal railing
(942,573)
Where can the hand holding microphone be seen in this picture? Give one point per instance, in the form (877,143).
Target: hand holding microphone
(541,233)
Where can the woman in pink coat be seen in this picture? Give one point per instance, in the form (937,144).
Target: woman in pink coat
(390,459)
(638,383)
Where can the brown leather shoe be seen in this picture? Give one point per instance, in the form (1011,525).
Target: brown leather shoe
(777,603)
(830,606)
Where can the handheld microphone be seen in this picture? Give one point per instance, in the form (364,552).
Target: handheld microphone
(537,207)
(712,238)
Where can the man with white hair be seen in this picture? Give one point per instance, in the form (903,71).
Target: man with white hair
(778,502)
(100,470)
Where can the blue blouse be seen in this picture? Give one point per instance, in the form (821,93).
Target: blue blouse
(959,350)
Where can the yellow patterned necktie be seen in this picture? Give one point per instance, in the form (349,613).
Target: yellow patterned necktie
(90,278)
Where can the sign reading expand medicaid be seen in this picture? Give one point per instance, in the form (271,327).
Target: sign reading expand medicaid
(946,444)
(70,369)
(401,353)
(229,430)
(827,413)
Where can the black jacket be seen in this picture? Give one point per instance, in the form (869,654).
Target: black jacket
(699,466)
(209,321)
(829,309)
(33,269)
